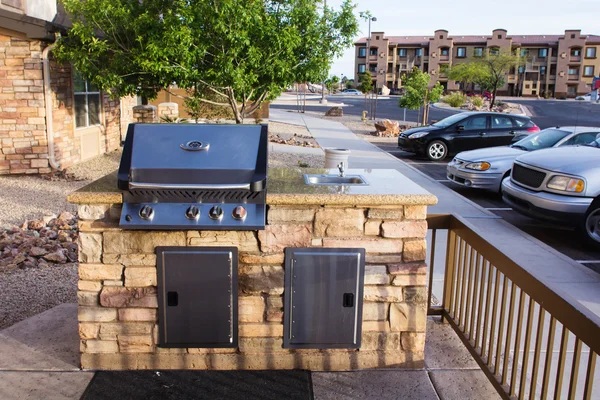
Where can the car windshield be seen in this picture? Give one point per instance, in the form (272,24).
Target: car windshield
(446,122)
(541,140)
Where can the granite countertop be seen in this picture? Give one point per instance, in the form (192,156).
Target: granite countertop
(286,187)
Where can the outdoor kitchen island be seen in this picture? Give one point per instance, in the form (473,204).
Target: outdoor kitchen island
(118,283)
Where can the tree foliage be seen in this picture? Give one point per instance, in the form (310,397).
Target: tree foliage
(468,73)
(497,66)
(243,51)
(417,92)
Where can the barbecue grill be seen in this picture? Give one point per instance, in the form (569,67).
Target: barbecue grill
(194,176)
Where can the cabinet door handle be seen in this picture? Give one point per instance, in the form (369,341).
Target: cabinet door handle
(172,299)
(348,300)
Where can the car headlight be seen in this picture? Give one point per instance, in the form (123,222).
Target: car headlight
(417,135)
(479,166)
(566,184)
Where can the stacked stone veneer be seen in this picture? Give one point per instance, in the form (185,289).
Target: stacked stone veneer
(23,120)
(117,294)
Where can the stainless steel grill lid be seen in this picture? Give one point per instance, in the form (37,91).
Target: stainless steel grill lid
(168,168)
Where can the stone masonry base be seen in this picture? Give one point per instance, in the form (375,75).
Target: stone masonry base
(118,321)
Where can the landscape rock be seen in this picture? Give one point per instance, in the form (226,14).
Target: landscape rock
(388,128)
(335,112)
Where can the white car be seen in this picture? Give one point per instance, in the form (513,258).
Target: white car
(352,92)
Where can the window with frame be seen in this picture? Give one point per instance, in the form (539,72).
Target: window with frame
(552,69)
(362,68)
(478,52)
(521,69)
(582,138)
(590,52)
(524,52)
(362,51)
(573,70)
(575,52)
(494,51)
(475,123)
(500,122)
(588,70)
(461,52)
(542,70)
(419,52)
(373,51)
(373,67)
(445,51)
(402,52)
(543,53)
(87,102)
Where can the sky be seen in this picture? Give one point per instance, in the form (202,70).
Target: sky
(471,17)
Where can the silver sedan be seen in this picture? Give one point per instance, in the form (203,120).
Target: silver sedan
(485,168)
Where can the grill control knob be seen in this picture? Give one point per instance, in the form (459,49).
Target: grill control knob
(216,212)
(192,212)
(239,213)
(146,212)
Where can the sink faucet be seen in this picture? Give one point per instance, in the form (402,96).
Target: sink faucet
(341,167)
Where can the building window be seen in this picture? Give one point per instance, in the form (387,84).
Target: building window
(494,51)
(373,67)
(362,68)
(573,70)
(588,70)
(376,37)
(572,36)
(362,52)
(543,53)
(543,70)
(552,69)
(478,52)
(461,52)
(419,52)
(524,52)
(402,52)
(499,36)
(373,51)
(87,102)
(441,36)
(521,69)
(575,52)
(571,90)
(445,51)
(590,52)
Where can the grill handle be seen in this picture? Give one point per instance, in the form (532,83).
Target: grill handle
(183,186)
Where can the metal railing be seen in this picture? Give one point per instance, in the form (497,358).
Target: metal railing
(529,340)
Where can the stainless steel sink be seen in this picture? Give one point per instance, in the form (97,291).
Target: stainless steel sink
(316,179)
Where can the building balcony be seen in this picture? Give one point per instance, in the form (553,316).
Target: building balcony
(574,59)
(373,57)
(573,77)
(444,58)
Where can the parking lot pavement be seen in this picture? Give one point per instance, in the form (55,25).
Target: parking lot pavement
(561,238)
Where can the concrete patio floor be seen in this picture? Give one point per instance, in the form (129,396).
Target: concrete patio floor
(40,359)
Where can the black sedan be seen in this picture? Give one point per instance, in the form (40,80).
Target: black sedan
(465,131)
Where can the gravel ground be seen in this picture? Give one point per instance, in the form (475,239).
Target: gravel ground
(31,197)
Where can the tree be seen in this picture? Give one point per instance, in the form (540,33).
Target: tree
(245,52)
(497,66)
(349,83)
(417,92)
(468,73)
(332,83)
(365,84)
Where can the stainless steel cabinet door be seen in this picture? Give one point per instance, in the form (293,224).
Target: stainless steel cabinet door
(197,296)
(323,298)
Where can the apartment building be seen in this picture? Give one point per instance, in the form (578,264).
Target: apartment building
(558,65)
(50,117)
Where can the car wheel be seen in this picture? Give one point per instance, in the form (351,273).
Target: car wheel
(591,225)
(437,150)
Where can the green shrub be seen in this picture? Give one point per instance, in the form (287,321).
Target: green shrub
(455,99)
(477,101)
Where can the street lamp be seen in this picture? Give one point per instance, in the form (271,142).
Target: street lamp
(374,19)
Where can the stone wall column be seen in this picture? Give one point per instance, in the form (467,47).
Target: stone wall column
(168,110)
(145,114)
